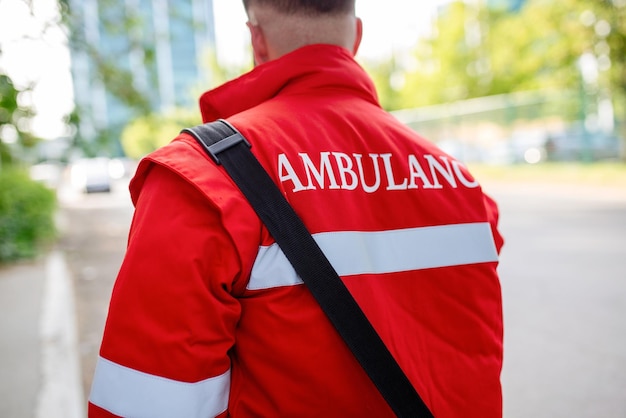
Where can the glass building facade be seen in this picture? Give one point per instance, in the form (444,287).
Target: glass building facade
(160,44)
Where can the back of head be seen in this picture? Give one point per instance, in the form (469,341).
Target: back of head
(281,26)
(305,7)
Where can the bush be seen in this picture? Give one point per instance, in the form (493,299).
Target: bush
(26,215)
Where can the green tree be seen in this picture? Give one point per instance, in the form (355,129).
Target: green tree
(124,25)
(219,73)
(452,64)
(26,215)
(149,132)
(613,47)
(476,51)
(543,47)
(389,78)
(128,35)
(14,122)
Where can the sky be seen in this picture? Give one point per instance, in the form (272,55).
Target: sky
(44,62)
(388,26)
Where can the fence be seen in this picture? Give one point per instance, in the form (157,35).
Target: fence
(504,128)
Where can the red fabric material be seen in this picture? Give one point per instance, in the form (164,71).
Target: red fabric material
(180,308)
(97,412)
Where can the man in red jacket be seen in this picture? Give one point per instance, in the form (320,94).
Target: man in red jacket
(207,318)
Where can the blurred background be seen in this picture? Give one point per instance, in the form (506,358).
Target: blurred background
(530,94)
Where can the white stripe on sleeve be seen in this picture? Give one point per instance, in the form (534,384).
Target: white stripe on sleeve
(352,253)
(131,393)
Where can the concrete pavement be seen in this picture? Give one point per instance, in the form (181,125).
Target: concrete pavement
(562,272)
(38,354)
(21,289)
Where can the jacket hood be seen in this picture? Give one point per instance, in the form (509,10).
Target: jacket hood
(309,67)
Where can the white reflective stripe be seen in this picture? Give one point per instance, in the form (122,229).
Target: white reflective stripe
(130,393)
(352,253)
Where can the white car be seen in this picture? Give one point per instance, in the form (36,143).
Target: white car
(91,175)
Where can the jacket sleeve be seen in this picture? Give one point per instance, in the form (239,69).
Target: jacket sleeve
(493,215)
(172,315)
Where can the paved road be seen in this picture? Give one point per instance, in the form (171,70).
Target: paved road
(563,279)
(95,233)
(563,275)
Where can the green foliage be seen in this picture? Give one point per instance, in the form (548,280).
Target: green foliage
(130,50)
(123,27)
(452,64)
(14,121)
(147,133)
(476,51)
(389,79)
(220,73)
(543,45)
(26,215)
(8,99)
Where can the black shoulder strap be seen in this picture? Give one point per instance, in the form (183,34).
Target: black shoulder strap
(229,148)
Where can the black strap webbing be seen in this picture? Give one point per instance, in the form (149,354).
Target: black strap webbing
(229,148)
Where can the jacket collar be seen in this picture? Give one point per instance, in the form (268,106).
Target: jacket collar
(308,68)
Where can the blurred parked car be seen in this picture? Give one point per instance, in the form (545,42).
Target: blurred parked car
(578,144)
(521,147)
(569,145)
(91,174)
(462,150)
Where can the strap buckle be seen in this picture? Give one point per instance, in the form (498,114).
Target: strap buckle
(204,135)
(225,144)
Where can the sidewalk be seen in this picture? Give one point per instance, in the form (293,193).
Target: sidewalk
(39,368)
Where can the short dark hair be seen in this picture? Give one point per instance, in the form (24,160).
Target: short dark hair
(310,7)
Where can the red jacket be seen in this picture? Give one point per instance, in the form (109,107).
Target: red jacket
(207,317)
